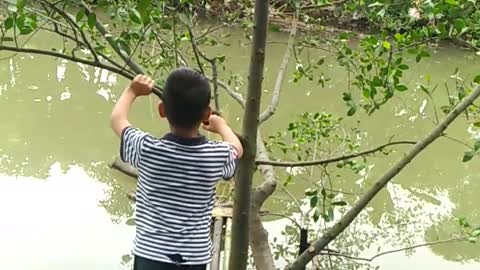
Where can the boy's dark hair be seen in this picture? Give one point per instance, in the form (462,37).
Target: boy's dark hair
(186,97)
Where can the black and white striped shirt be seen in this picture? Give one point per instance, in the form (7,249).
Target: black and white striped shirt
(175,193)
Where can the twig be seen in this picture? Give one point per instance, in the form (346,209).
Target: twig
(457,141)
(447,241)
(232,93)
(281,74)
(195,49)
(283,216)
(210,30)
(352,214)
(331,160)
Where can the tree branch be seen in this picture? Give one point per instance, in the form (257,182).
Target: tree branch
(70,58)
(281,74)
(331,160)
(447,241)
(348,218)
(109,38)
(74,26)
(232,93)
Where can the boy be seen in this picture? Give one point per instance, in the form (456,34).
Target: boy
(177,174)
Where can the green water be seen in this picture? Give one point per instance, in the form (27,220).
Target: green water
(64,208)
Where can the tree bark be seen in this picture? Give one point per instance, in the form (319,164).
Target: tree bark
(347,219)
(262,254)
(241,210)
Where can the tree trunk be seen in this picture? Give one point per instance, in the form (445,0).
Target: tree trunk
(262,254)
(241,208)
(348,218)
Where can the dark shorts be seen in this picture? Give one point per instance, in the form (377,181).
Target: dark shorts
(147,264)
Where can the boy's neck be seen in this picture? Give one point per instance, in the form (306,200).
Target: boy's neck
(187,133)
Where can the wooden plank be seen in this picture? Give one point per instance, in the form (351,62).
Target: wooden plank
(217,243)
(221,211)
(228,237)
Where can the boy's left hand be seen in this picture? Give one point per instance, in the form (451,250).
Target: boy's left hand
(142,85)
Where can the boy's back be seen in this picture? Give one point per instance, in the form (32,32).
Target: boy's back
(178,173)
(175,194)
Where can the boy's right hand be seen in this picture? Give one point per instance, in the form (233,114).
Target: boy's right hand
(215,124)
(142,85)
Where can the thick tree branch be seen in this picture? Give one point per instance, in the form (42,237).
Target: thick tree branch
(348,218)
(281,74)
(259,243)
(70,58)
(331,160)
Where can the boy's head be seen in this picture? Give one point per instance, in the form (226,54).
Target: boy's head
(186,98)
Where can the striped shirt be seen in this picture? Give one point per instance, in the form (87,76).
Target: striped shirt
(175,193)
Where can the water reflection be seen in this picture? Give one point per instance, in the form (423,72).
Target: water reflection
(57,222)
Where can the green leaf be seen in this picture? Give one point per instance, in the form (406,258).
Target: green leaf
(472,240)
(274,28)
(313,201)
(451,2)
(130,222)
(311,192)
(377,82)
(476,233)
(352,111)
(316,214)
(386,45)
(467,156)
(343,36)
(144,7)
(331,215)
(289,179)
(401,87)
(80,15)
(9,23)
(477,124)
(122,44)
(403,67)
(92,19)
(399,37)
(459,24)
(476,146)
(477,79)
(21,5)
(135,16)
(339,203)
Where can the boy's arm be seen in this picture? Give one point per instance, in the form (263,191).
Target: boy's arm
(140,86)
(229,136)
(218,125)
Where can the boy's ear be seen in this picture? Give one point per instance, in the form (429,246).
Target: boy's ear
(161,110)
(206,115)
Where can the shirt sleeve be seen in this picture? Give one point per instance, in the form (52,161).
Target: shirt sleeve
(132,142)
(231,164)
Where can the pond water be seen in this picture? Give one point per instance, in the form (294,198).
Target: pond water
(63,206)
